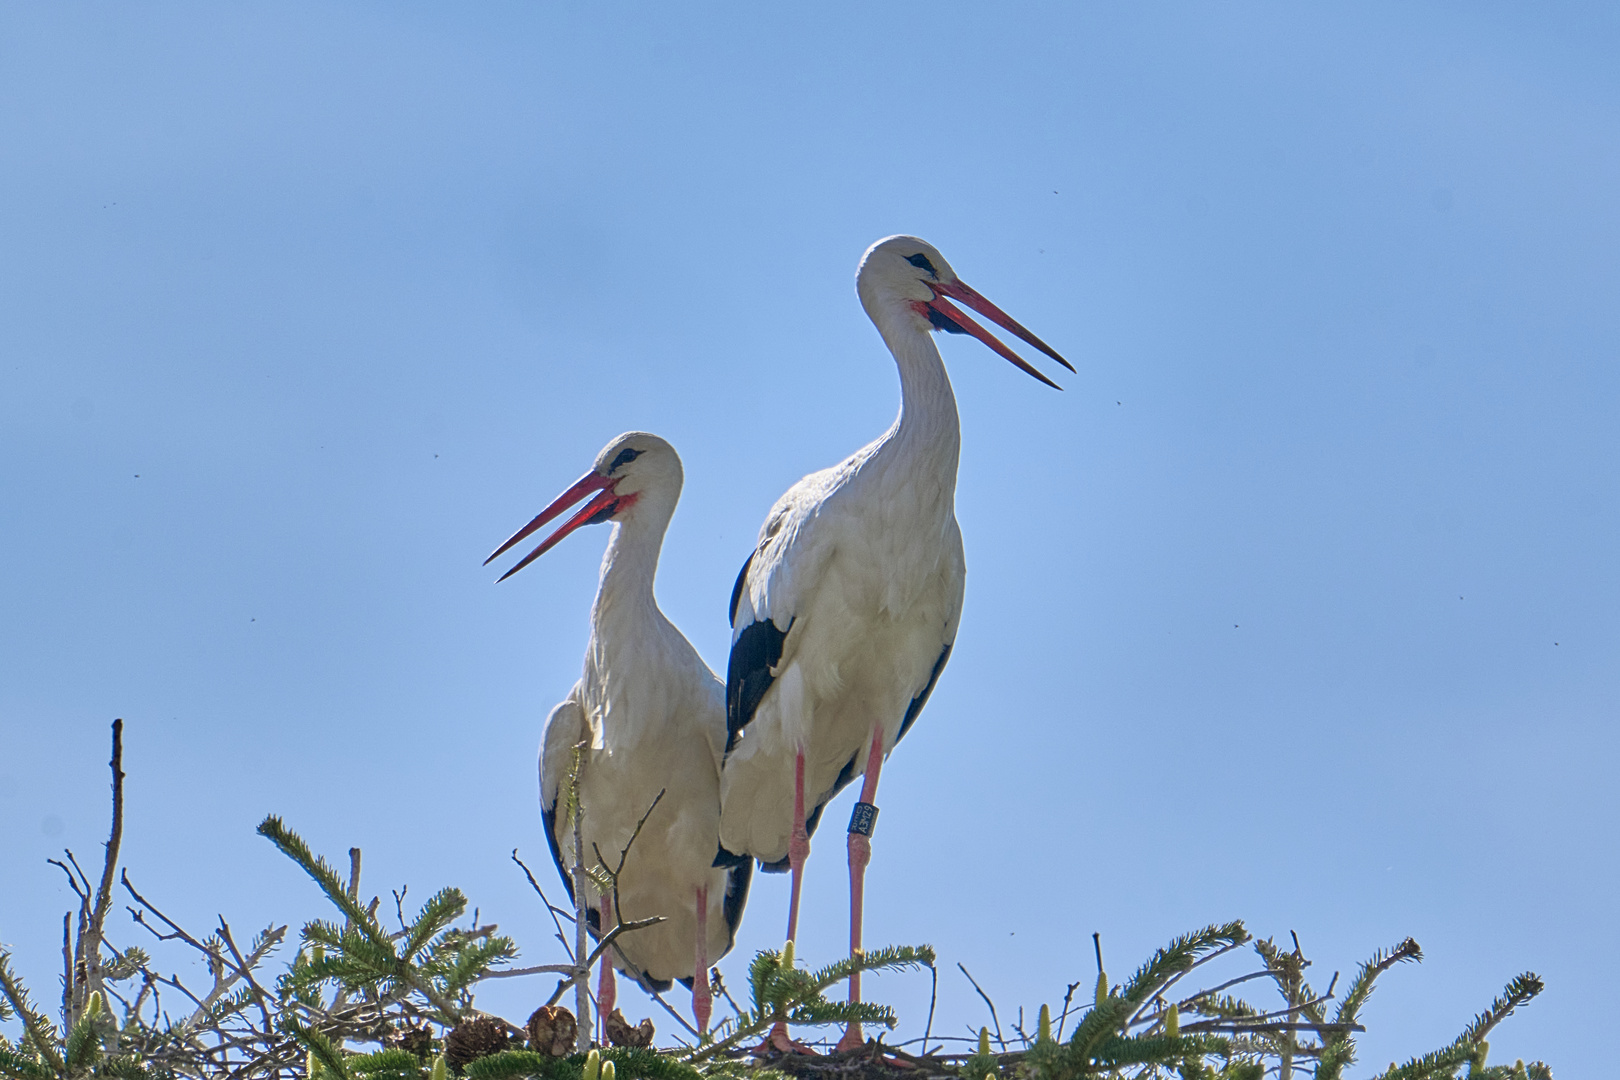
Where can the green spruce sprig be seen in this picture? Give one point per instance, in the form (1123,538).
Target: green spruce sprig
(630,1063)
(1101,1041)
(785,993)
(1339,1048)
(429,957)
(1470,1048)
(40,1037)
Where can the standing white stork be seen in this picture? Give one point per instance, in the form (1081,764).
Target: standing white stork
(843,617)
(653,718)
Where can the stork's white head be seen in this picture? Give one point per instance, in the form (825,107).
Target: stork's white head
(637,463)
(636,475)
(909,277)
(902,268)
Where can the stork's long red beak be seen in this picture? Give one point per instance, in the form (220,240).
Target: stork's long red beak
(953,319)
(605,500)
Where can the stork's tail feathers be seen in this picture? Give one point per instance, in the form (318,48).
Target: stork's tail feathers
(726,858)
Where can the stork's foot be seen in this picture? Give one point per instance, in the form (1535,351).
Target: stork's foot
(872,1050)
(780,1042)
(853,1038)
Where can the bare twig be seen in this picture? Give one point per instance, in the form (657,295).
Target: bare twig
(354,882)
(719,985)
(582,970)
(1212,991)
(603,944)
(90,955)
(988,1002)
(178,931)
(624,853)
(223,982)
(1068,997)
(1200,1025)
(679,1019)
(247,971)
(399,907)
(557,913)
(933,992)
(541,969)
(67,968)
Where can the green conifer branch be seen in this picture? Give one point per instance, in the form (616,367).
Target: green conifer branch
(1223,1006)
(83,1047)
(1465,1049)
(390,1064)
(1339,1049)
(888,958)
(788,994)
(1361,987)
(822,1011)
(124,1068)
(41,1032)
(293,846)
(442,908)
(470,964)
(1121,1050)
(630,1063)
(14,1063)
(1179,957)
(316,1042)
(1520,991)
(518,1064)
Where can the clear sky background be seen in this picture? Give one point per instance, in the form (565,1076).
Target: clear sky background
(1299,605)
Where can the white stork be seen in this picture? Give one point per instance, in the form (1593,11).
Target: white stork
(843,617)
(653,717)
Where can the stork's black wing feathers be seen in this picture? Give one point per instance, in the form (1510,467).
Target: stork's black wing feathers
(921,699)
(736,590)
(748,675)
(593,917)
(737,882)
(548,816)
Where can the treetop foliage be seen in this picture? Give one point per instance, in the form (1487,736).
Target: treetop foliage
(358,1001)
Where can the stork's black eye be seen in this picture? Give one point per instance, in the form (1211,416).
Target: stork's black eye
(626,456)
(920,261)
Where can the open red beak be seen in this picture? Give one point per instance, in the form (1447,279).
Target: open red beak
(952,319)
(604,504)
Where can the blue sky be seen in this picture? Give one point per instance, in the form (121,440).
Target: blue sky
(1299,605)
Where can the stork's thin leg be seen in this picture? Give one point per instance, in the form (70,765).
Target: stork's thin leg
(607,987)
(798,846)
(798,851)
(860,853)
(702,1001)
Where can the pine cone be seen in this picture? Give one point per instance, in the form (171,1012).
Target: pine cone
(416,1039)
(473,1039)
(552,1030)
(620,1033)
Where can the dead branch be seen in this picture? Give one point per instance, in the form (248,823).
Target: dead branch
(988,1002)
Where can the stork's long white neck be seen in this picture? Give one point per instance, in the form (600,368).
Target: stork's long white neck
(633,646)
(624,603)
(927,434)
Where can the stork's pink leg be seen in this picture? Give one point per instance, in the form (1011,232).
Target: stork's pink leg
(860,853)
(702,1000)
(607,987)
(798,846)
(798,852)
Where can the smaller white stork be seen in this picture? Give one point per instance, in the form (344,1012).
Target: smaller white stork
(653,719)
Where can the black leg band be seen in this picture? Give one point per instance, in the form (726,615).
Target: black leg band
(864,819)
